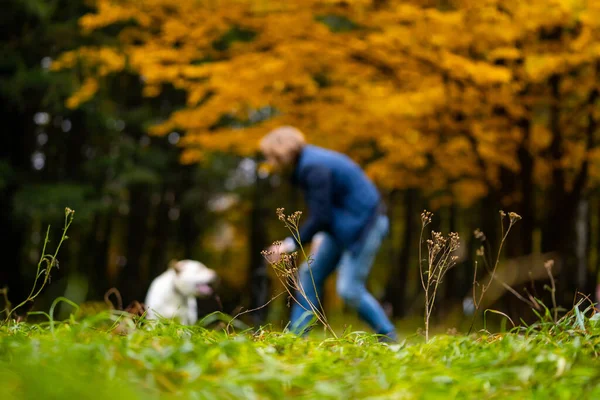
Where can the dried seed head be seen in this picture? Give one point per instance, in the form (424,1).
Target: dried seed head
(439,241)
(280,214)
(480,252)
(502,214)
(454,240)
(514,217)
(295,217)
(549,264)
(479,235)
(426,217)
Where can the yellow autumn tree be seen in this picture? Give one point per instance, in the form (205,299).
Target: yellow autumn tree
(449,96)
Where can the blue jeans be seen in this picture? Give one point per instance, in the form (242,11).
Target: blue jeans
(353,271)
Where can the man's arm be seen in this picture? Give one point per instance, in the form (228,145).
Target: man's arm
(319,187)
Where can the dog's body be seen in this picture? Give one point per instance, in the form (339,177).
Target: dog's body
(173,293)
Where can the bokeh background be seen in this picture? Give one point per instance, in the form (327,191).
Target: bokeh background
(144,117)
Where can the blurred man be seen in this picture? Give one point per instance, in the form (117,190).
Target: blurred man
(345,206)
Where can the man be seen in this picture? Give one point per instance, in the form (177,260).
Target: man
(345,206)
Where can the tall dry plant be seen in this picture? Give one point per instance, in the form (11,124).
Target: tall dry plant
(440,260)
(552,288)
(286,269)
(47,263)
(491,263)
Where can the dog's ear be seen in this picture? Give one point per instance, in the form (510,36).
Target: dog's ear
(175,265)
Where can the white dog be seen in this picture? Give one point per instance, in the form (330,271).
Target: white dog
(173,293)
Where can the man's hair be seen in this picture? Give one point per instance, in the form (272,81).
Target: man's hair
(283,143)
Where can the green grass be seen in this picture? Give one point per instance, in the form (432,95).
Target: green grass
(85,359)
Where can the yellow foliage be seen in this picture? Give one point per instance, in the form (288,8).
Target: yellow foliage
(542,172)
(541,138)
(85,92)
(440,95)
(594,160)
(468,191)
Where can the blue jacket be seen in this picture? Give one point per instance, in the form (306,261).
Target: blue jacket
(340,197)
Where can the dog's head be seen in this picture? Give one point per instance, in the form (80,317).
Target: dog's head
(192,278)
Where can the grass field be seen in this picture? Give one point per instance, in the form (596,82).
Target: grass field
(88,359)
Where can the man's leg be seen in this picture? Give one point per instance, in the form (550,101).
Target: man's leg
(310,277)
(352,277)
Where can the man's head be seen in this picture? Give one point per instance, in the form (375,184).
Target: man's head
(281,146)
(192,278)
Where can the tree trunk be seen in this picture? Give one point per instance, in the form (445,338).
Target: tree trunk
(389,299)
(594,273)
(189,229)
(15,149)
(130,277)
(10,248)
(395,292)
(584,280)
(521,186)
(99,274)
(557,234)
(455,284)
(556,224)
(160,239)
(566,225)
(490,221)
(87,262)
(526,226)
(260,285)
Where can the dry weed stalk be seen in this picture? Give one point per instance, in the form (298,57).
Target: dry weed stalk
(286,269)
(439,261)
(548,265)
(485,254)
(46,264)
